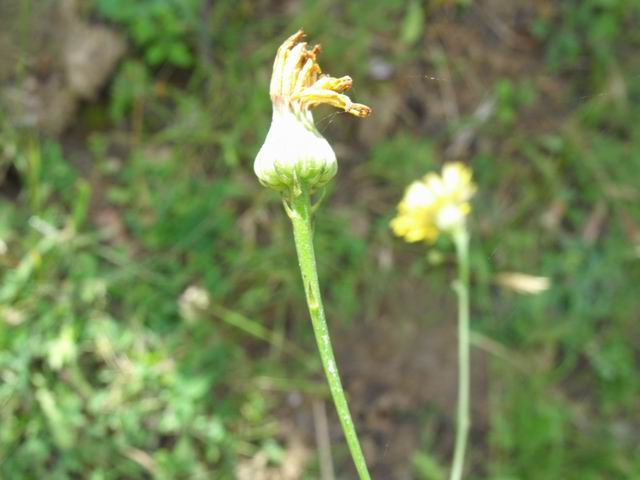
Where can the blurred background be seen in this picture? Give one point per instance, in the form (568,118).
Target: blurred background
(152,321)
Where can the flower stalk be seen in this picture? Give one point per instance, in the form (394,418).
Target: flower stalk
(432,206)
(297,161)
(461,287)
(300,211)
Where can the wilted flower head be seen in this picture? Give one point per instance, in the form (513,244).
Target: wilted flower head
(435,204)
(294,148)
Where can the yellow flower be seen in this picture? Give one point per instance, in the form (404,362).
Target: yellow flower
(294,149)
(435,204)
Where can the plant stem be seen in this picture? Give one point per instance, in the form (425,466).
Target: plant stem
(461,239)
(300,212)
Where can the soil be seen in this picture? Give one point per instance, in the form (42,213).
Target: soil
(400,374)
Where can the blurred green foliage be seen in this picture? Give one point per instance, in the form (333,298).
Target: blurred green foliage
(163,29)
(103,376)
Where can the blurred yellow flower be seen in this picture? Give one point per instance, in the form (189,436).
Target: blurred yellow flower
(294,148)
(435,204)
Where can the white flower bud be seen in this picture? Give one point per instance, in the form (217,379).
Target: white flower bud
(294,149)
(450,217)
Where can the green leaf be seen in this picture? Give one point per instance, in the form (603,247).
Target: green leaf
(413,25)
(427,467)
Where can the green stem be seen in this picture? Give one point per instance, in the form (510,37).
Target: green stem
(461,239)
(300,212)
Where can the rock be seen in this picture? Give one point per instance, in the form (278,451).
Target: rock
(65,61)
(91,53)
